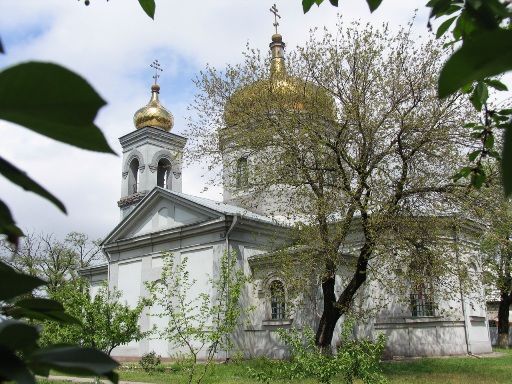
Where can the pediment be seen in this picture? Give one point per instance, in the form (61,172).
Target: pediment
(159,211)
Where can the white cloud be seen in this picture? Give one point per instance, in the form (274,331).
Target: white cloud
(111,44)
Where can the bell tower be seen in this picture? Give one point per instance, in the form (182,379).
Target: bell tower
(152,155)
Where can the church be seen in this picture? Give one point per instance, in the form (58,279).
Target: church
(156,217)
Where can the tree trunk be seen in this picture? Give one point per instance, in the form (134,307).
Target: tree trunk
(503,320)
(335,308)
(330,315)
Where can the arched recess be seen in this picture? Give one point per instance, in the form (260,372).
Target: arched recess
(276,297)
(162,154)
(133,176)
(134,154)
(277,300)
(164,173)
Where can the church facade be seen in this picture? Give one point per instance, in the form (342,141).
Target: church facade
(156,218)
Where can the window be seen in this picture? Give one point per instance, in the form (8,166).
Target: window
(422,281)
(277,300)
(133,177)
(242,172)
(163,178)
(422,301)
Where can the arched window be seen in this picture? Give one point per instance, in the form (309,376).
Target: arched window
(422,283)
(277,300)
(163,176)
(242,172)
(133,177)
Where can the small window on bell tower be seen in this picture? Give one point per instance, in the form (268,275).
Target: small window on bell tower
(163,178)
(242,173)
(133,177)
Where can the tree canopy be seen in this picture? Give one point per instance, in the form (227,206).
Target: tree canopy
(352,136)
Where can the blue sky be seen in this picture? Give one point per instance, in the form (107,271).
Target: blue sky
(112,44)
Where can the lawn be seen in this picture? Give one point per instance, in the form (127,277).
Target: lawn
(455,370)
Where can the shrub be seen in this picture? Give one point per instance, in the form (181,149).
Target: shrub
(354,359)
(150,362)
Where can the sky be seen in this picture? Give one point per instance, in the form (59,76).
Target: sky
(111,44)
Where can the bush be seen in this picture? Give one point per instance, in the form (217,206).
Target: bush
(150,362)
(355,359)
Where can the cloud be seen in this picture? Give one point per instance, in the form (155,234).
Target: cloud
(111,44)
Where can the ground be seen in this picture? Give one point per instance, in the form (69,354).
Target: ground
(495,369)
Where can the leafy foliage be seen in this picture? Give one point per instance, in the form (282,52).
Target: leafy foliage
(20,354)
(483,28)
(150,362)
(55,102)
(363,146)
(52,260)
(105,322)
(354,359)
(202,324)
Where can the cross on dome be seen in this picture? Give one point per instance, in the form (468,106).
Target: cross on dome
(275,11)
(156,66)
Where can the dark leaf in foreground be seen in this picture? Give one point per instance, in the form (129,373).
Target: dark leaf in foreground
(484,55)
(19,177)
(53,101)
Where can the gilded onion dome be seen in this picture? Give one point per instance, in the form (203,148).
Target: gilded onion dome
(154,114)
(279,91)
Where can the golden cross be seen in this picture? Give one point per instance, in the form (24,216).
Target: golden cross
(156,66)
(276,15)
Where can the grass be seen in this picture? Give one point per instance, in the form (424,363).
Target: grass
(454,370)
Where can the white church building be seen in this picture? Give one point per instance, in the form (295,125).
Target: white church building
(156,217)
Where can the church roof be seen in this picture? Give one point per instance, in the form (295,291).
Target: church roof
(209,208)
(226,209)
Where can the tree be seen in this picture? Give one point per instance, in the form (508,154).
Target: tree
(483,28)
(497,245)
(349,133)
(54,261)
(106,323)
(200,324)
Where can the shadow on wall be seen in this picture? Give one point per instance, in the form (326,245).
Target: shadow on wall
(493,330)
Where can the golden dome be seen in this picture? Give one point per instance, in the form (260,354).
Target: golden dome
(154,114)
(279,91)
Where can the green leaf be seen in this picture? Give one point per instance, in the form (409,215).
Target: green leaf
(19,177)
(149,7)
(484,55)
(444,27)
(307,4)
(506,163)
(75,360)
(13,368)
(53,101)
(496,84)
(41,309)
(17,335)
(1,47)
(373,4)
(473,155)
(478,178)
(15,283)
(464,172)
(479,96)
(7,225)
(489,142)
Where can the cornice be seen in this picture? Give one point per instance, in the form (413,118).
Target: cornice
(152,136)
(166,235)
